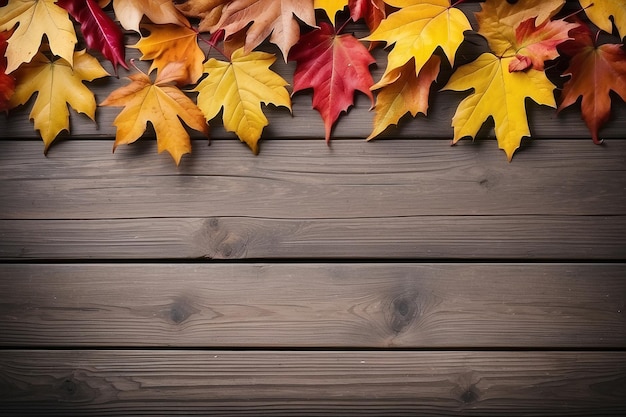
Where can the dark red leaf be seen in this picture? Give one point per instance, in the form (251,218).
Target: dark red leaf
(99,30)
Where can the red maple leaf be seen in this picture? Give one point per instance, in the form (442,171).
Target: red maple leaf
(536,44)
(371,11)
(595,71)
(99,31)
(334,66)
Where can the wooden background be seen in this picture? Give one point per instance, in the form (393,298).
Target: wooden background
(398,277)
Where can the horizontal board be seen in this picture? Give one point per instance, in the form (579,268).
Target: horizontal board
(314,305)
(391,383)
(303,180)
(407,237)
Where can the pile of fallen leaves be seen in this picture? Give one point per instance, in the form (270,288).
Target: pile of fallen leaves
(38,40)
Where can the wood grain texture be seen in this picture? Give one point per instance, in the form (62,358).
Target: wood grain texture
(383,237)
(86,383)
(300,180)
(446,305)
(399,199)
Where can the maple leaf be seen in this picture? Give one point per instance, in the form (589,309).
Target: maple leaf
(330,7)
(536,44)
(208,11)
(172,43)
(335,66)
(277,19)
(407,93)
(500,94)
(372,11)
(34,19)
(99,31)
(57,84)
(601,11)
(160,103)
(239,87)
(498,21)
(130,12)
(7,82)
(595,71)
(418,29)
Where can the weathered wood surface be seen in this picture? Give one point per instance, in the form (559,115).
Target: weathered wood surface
(440,305)
(390,383)
(398,199)
(111,303)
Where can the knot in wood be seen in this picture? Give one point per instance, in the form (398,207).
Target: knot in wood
(402,312)
(180,310)
(219,242)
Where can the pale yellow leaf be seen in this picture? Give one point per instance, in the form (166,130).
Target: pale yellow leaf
(239,87)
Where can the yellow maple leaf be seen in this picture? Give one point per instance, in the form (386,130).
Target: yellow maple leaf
(500,94)
(240,86)
(35,18)
(330,7)
(600,12)
(130,13)
(172,43)
(498,20)
(57,84)
(161,103)
(407,93)
(418,29)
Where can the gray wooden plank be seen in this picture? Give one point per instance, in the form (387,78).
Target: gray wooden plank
(391,383)
(371,305)
(302,180)
(413,237)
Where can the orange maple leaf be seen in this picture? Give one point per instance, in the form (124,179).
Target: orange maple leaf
(595,71)
(407,93)
(161,103)
(173,43)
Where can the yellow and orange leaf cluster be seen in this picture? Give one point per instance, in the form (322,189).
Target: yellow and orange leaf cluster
(38,41)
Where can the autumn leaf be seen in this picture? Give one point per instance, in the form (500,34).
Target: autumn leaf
(595,71)
(34,19)
(208,11)
(130,12)
(172,43)
(278,19)
(498,21)
(163,105)
(57,84)
(99,31)
(603,13)
(418,29)
(407,93)
(239,87)
(536,44)
(372,11)
(7,82)
(500,94)
(330,7)
(334,66)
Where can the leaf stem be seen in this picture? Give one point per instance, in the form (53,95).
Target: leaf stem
(213,43)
